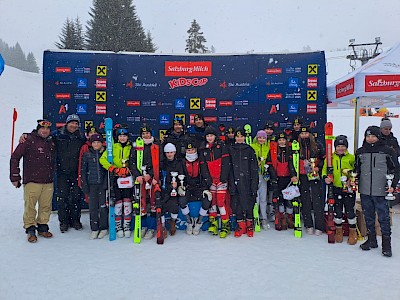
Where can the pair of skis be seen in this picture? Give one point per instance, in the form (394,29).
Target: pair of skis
(330,224)
(136,205)
(296,204)
(111,192)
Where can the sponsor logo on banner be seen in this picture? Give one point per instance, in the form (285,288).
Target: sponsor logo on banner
(225,103)
(195,103)
(293,108)
(311,95)
(274,71)
(149,103)
(274,96)
(180,103)
(210,103)
(312,82)
(210,119)
(147,119)
(291,70)
(101,83)
(146,85)
(133,103)
(82,70)
(63,69)
(81,96)
(64,96)
(188,68)
(101,71)
(292,95)
(180,82)
(101,96)
(81,83)
(238,84)
(223,85)
(345,88)
(241,119)
(63,82)
(181,116)
(101,109)
(312,69)
(241,102)
(81,109)
(133,119)
(88,123)
(293,82)
(269,83)
(225,119)
(311,109)
(159,103)
(382,83)
(165,119)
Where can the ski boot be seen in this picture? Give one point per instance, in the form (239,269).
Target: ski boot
(197,226)
(278,221)
(225,229)
(289,218)
(127,229)
(370,243)
(118,228)
(240,229)
(213,229)
(172,227)
(189,225)
(250,228)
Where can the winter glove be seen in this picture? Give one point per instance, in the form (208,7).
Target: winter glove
(181,190)
(207,193)
(122,172)
(17,184)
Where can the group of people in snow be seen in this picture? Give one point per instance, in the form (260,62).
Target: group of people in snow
(227,171)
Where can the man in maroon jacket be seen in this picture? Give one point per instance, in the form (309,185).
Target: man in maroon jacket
(38,170)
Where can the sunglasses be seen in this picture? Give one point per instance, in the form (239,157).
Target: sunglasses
(122,131)
(44,123)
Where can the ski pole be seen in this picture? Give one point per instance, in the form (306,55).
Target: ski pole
(15,116)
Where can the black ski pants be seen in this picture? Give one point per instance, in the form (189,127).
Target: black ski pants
(312,200)
(69,198)
(97,207)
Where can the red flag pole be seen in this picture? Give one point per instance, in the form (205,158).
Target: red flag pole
(15,116)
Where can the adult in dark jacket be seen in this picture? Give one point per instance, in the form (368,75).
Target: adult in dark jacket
(196,132)
(94,184)
(388,137)
(245,183)
(176,135)
(375,160)
(38,167)
(68,141)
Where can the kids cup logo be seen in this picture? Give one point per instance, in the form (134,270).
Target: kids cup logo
(184,69)
(180,82)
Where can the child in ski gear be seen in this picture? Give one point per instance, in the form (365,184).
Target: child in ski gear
(261,149)
(244,183)
(343,166)
(94,184)
(387,135)
(146,177)
(375,160)
(38,152)
(269,129)
(196,190)
(282,165)
(68,141)
(174,187)
(230,136)
(310,165)
(123,205)
(214,160)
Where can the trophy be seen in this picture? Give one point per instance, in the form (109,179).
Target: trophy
(266,175)
(181,177)
(147,185)
(345,186)
(313,174)
(181,189)
(389,178)
(353,179)
(173,192)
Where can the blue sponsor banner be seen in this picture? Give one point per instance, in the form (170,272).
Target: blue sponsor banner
(81,109)
(81,83)
(165,119)
(293,82)
(180,103)
(293,108)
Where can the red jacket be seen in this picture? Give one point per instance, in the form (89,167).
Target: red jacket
(38,165)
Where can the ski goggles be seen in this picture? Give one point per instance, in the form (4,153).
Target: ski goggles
(122,131)
(44,123)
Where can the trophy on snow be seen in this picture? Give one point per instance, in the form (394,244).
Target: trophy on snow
(173,192)
(389,178)
(147,185)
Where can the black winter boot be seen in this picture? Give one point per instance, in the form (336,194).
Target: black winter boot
(370,243)
(386,246)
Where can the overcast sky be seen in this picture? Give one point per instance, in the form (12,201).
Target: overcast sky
(229,25)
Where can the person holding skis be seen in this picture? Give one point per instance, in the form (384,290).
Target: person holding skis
(261,149)
(173,187)
(214,160)
(148,179)
(123,205)
(94,185)
(38,152)
(310,166)
(196,190)
(244,183)
(344,195)
(282,166)
(374,161)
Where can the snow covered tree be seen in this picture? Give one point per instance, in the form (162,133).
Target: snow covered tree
(196,40)
(31,64)
(71,36)
(116,27)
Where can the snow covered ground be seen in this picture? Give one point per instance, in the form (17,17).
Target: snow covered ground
(272,265)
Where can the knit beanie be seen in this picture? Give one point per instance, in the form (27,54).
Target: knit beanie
(373,130)
(341,140)
(261,133)
(96,138)
(169,148)
(385,123)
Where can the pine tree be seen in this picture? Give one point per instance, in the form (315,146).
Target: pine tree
(114,26)
(71,35)
(18,58)
(31,63)
(196,40)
